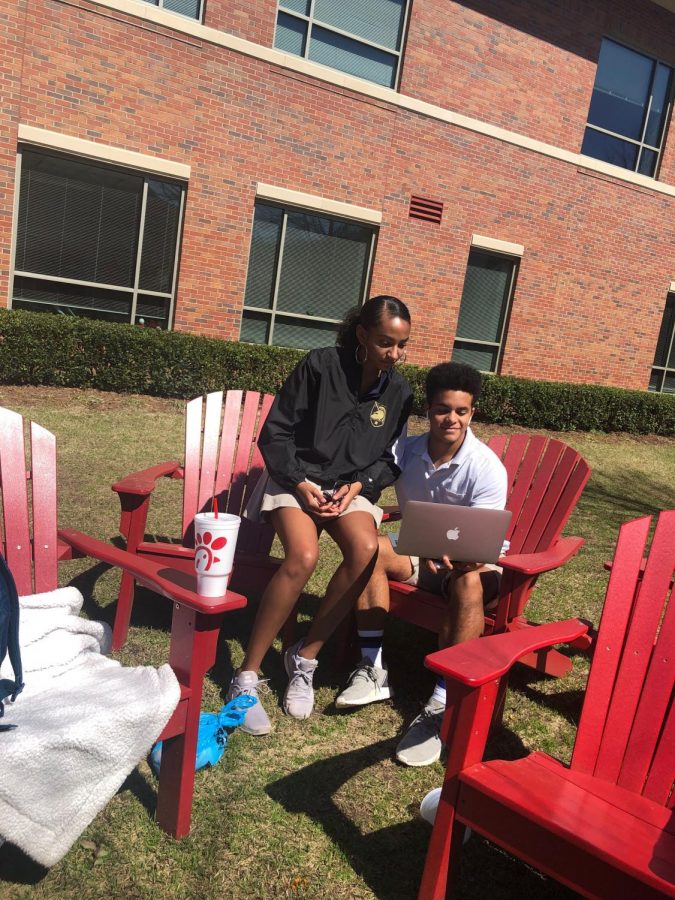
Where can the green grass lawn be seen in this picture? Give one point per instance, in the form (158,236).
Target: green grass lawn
(318,808)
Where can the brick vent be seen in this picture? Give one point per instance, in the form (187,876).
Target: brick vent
(425,209)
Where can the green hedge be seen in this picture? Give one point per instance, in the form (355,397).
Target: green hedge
(71,352)
(37,348)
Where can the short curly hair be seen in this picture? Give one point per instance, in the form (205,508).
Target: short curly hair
(453,376)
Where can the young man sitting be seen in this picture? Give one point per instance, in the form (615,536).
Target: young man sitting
(446,465)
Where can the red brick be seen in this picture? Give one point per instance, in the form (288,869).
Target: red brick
(598,252)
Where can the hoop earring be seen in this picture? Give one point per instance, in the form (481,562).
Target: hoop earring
(361,362)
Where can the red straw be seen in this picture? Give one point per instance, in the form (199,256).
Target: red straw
(215,505)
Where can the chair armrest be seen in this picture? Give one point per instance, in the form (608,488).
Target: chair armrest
(480,660)
(143,483)
(171,583)
(545,560)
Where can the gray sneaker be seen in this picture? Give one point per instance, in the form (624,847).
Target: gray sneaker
(421,744)
(367,684)
(299,696)
(256,720)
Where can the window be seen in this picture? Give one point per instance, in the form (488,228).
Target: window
(360,37)
(483,311)
(96,241)
(663,373)
(190,8)
(629,109)
(304,272)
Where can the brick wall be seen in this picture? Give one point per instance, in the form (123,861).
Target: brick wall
(251,21)
(598,253)
(526,65)
(12,16)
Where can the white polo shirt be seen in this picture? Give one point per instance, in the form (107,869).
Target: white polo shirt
(475,476)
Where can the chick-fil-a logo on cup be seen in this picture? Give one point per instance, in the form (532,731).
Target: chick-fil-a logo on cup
(215,542)
(205,545)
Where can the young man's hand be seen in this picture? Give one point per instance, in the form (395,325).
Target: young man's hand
(436,565)
(463,567)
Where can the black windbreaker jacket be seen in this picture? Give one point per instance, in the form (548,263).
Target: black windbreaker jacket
(320,427)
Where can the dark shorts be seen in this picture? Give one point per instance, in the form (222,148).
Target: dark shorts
(438,584)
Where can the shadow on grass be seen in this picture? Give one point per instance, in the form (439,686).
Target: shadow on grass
(616,501)
(85,583)
(566,703)
(17,868)
(370,855)
(390,860)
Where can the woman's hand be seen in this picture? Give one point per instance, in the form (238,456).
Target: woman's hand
(316,502)
(311,497)
(344,496)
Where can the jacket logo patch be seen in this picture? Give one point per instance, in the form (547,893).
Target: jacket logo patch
(377,415)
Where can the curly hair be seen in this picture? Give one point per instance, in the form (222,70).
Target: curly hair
(453,376)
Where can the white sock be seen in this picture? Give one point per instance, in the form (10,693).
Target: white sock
(439,691)
(371,646)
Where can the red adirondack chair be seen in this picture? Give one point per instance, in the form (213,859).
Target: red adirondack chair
(222,460)
(32,547)
(546,478)
(605,824)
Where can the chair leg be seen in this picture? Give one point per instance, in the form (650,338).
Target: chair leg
(194,638)
(445,847)
(549,661)
(125,602)
(500,704)
(132,526)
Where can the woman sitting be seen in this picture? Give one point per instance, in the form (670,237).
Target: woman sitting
(327,444)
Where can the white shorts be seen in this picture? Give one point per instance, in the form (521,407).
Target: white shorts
(268,495)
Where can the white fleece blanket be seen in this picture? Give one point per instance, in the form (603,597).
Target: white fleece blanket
(84,722)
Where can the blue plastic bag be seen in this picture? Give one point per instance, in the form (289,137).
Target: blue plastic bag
(213,731)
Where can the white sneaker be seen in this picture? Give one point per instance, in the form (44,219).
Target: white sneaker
(429,808)
(256,720)
(421,744)
(367,684)
(299,696)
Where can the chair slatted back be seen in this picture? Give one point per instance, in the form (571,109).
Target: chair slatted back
(222,459)
(626,733)
(28,519)
(546,478)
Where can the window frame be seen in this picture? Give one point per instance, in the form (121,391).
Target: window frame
(174,12)
(497,346)
(311,21)
(665,370)
(640,144)
(135,291)
(272,312)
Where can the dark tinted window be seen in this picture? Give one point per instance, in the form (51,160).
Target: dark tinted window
(488,286)
(360,37)
(629,109)
(80,231)
(305,271)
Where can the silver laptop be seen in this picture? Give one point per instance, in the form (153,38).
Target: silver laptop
(464,533)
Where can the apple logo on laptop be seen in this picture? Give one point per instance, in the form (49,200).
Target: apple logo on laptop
(452,534)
